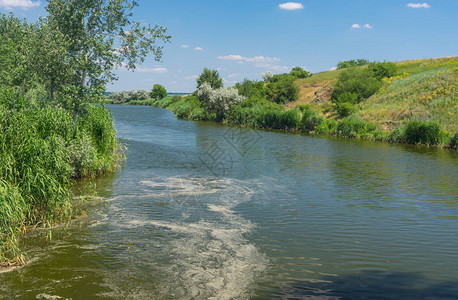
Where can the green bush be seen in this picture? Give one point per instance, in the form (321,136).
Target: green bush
(355,83)
(345,109)
(282,89)
(328,126)
(422,132)
(310,120)
(353,127)
(381,70)
(454,141)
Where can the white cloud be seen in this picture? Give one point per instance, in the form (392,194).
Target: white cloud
(147,70)
(291,6)
(24,4)
(191,77)
(185,46)
(333,69)
(272,67)
(357,26)
(419,5)
(255,59)
(231,57)
(233,75)
(198,49)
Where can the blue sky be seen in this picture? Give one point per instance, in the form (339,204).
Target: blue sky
(244,38)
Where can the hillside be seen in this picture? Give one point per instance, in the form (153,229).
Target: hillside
(422,89)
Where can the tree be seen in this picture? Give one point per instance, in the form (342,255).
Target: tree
(102,36)
(281,88)
(250,88)
(299,72)
(210,76)
(266,76)
(158,92)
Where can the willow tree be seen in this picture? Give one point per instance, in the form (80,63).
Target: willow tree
(102,36)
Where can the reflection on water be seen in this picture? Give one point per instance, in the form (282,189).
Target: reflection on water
(206,211)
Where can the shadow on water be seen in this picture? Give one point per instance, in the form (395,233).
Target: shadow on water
(366,285)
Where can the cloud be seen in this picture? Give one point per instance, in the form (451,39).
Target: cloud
(333,69)
(191,77)
(419,5)
(272,67)
(233,75)
(185,46)
(198,49)
(241,59)
(24,4)
(291,6)
(357,26)
(231,57)
(152,70)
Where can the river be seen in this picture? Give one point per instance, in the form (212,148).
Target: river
(206,211)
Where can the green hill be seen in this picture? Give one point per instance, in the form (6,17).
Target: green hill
(424,89)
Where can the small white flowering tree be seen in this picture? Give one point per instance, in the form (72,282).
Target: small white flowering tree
(219,100)
(266,76)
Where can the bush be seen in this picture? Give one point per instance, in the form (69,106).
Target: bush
(282,89)
(352,63)
(355,85)
(310,119)
(328,126)
(422,132)
(298,72)
(353,127)
(454,141)
(345,109)
(250,88)
(381,70)
(218,101)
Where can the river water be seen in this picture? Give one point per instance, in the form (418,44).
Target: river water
(205,211)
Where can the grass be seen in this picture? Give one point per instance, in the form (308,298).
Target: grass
(42,151)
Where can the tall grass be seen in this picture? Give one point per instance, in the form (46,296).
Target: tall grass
(41,151)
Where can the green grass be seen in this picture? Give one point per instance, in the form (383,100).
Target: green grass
(41,151)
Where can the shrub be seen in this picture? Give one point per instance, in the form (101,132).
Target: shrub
(422,132)
(345,109)
(352,63)
(381,70)
(299,72)
(218,101)
(282,89)
(158,92)
(310,120)
(454,141)
(353,127)
(355,83)
(328,126)
(250,88)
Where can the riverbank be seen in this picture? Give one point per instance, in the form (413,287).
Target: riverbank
(43,151)
(418,105)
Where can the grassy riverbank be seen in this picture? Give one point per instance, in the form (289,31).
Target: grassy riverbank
(42,149)
(418,104)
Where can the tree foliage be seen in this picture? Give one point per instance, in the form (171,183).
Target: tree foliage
(158,92)
(352,63)
(281,88)
(211,77)
(299,72)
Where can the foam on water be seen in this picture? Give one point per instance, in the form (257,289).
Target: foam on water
(211,256)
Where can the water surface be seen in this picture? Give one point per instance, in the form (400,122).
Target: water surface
(206,211)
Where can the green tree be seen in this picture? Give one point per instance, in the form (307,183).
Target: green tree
(158,92)
(281,89)
(250,88)
(299,72)
(102,36)
(210,76)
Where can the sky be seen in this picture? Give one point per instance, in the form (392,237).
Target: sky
(245,38)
